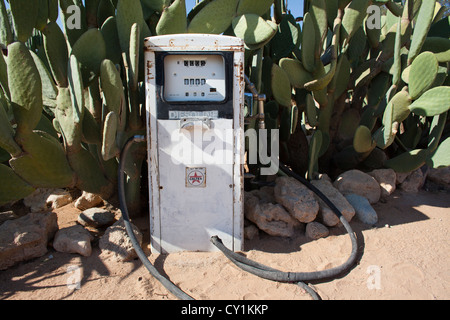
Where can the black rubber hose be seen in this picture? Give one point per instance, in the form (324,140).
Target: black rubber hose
(280,276)
(309,290)
(180,294)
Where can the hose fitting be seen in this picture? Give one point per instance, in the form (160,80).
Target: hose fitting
(261,98)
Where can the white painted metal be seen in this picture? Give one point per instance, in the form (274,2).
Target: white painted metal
(195,158)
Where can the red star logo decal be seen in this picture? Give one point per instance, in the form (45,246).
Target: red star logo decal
(195,178)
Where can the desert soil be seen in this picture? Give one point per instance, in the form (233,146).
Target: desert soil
(405,256)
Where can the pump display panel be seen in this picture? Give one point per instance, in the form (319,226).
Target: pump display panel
(194,78)
(194,82)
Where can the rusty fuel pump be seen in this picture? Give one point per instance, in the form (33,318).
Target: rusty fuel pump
(195,93)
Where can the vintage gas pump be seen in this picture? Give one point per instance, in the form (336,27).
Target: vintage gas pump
(194,97)
(195,139)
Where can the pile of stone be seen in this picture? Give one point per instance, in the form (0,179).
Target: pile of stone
(28,237)
(290,207)
(282,210)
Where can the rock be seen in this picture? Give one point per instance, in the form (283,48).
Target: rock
(364,211)
(59,198)
(95,217)
(387,178)
(358,182)
(440,176)
(270,218)
(26,237)
(7,215)
(413,182)
(116,243)
(74,239)
(316,230)
(88,200)
(401,176)
(298,200)
(37,201)
(323,176)
(328,217)
(250,232)
(265,194)
(42,199)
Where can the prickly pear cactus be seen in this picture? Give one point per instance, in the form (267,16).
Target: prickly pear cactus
(392,78)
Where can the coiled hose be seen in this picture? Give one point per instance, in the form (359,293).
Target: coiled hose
(242,262)
(292,277)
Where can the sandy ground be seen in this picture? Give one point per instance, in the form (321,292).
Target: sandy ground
(406,256)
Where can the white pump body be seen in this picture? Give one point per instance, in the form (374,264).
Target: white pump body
(195,128)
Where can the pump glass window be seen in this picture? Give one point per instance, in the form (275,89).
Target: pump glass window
(194,78)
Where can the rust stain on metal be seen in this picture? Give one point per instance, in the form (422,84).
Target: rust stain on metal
(188,47)
(237,48)
(149,67)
